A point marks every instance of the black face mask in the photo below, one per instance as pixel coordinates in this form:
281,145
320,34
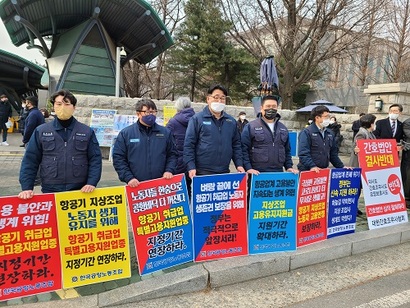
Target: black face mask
270,114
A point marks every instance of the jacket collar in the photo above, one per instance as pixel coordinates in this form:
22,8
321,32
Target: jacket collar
57,125
208,113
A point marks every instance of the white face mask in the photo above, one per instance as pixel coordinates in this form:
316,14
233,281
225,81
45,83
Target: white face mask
325,123
393,116
217,107
242,117
310,121
331,122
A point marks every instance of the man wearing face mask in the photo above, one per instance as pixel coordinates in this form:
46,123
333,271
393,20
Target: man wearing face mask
242,121
212,139
144,150
33,119
66,151
265,141
317,145
391,127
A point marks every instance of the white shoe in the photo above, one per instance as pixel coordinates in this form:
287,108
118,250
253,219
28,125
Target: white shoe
5,143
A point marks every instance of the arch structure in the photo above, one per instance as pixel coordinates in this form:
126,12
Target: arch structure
79,38
19,77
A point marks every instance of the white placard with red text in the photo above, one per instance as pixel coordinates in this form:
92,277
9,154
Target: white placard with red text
382,183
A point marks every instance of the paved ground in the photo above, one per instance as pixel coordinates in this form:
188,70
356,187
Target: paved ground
10,159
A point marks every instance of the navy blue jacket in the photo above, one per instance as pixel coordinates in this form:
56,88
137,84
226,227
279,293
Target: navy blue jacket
56,178
211,144
144,153
317,151
263,150
5,112
33,119
178,126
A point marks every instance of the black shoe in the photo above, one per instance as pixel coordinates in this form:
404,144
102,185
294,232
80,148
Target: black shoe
359,213
21,145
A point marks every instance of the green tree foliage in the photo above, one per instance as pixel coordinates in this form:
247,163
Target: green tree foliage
203,55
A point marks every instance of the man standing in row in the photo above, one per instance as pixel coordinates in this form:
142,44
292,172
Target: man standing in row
33,118
390,127
5,116
144,150
265,141
66,151
212,139
317,145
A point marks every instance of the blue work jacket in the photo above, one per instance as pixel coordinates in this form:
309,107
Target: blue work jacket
316,150
266,151
210,143
69,157
144,153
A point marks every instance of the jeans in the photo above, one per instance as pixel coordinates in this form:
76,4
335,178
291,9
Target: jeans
4,129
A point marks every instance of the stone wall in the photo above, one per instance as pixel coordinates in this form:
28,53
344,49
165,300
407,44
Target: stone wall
293,121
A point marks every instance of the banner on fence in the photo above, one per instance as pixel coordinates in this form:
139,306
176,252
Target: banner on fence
102,122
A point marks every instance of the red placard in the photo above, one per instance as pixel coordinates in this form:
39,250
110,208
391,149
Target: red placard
312,207
29,247
161,223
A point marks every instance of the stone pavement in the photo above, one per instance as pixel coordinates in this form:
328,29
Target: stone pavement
190,277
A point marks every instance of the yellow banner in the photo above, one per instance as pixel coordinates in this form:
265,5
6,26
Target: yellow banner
93,233
169,112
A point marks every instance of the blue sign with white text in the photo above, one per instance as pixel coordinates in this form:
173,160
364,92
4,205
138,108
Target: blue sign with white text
343,201
272,212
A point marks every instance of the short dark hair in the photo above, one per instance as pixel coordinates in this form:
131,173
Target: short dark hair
145,102
318,111
367,120
361,114
270,97
397,105
67,95
46,113
333,117
217,87
33,100
241,113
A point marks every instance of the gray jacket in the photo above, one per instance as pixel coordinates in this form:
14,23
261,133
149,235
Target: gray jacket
363,133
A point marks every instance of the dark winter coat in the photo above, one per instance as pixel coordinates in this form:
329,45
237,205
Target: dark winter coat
178,126
69,157
210,143
314,150
266,151
34,118
5,112
144,154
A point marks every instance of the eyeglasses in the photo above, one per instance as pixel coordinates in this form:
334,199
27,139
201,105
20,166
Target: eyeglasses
219,98
148,112
65,103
